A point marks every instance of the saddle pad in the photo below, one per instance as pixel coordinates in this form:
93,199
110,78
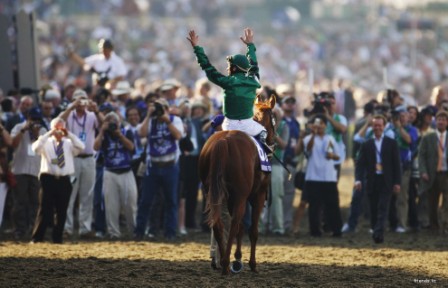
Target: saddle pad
264,161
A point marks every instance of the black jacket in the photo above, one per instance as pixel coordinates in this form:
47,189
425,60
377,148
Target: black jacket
390,160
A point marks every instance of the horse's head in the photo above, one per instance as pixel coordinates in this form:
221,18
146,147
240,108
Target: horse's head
264,116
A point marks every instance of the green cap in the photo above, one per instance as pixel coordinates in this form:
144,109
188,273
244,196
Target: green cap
239,61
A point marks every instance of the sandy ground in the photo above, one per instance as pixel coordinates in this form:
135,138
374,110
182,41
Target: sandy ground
404,260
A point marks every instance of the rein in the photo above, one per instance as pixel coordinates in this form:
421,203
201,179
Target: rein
262,107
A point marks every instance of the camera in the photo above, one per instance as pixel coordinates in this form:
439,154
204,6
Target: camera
100,76
35,125
320,101
112,127
84,102
159,111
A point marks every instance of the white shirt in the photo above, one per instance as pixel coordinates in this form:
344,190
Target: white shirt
46,145
101,64
320,168
25,161
378,143
442,145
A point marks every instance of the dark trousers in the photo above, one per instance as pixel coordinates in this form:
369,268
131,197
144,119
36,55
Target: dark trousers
167,179
26,200
412,203
189,187
323,194
53,197
439,187
379,205
98,201
356,207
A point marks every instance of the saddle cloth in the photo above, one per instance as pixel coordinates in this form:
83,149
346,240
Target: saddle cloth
264,160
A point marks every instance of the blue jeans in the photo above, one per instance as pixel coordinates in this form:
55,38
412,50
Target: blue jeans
356,206
98,201
167,179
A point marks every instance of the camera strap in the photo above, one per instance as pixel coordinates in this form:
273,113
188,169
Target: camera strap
83,125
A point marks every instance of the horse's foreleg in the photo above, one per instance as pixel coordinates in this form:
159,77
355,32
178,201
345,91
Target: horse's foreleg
257,207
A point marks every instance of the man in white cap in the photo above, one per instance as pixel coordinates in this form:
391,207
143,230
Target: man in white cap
82,118
169,89
122,93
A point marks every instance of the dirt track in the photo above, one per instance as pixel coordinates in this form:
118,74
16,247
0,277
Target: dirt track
353,261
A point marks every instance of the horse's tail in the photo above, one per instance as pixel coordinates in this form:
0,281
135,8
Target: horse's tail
217,182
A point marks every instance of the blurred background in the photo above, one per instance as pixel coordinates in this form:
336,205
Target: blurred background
304,46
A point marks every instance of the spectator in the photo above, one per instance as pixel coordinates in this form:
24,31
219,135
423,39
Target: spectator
406,137
82,118
4,186
57,149
433,171
105,66
26,102
337,126
47,113
133,118
121,95
163,132
321,178
288,105
25,167
427,114
273,216
190,146
168,90
379,163
119,186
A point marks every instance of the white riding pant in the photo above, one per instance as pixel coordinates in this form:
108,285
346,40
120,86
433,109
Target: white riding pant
250,126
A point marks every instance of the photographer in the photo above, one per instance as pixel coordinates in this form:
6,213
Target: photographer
337,126
106,66
163,133
406,136
57,149
82,118
321,178
25,167
119,186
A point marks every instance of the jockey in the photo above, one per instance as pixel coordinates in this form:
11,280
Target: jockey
239,86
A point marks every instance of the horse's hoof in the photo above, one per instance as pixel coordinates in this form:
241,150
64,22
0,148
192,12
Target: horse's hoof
236,267
253,267
225,271
213,264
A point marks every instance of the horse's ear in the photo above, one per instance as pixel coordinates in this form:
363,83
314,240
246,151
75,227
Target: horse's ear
258,99
272,101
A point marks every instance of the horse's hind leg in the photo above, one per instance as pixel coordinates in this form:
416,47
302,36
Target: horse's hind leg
237,216
257,206
239,238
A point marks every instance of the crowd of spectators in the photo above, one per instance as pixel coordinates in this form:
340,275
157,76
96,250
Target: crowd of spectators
142,132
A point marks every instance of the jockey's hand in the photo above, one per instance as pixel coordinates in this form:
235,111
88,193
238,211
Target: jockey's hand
248,36
194,38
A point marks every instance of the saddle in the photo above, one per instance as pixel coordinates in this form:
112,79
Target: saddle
264,157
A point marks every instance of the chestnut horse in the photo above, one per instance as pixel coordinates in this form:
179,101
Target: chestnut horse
229,167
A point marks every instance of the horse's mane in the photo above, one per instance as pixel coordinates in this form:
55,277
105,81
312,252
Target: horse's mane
262,105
